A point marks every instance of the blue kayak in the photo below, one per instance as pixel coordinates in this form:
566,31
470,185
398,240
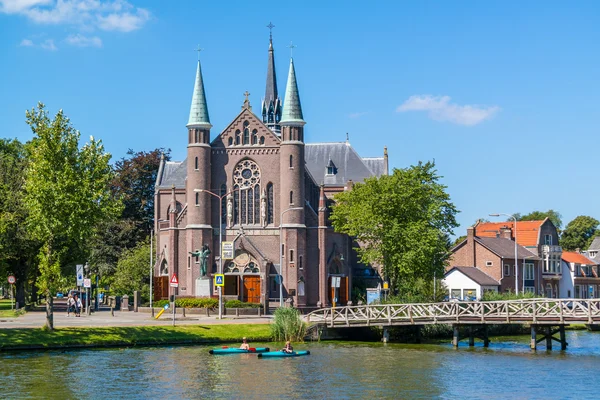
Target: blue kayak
233,350
284,354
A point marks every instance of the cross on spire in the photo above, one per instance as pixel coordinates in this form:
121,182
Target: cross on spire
270,26
292,47
246,93
198,49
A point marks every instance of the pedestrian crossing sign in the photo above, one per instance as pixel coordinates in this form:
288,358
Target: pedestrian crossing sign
219,280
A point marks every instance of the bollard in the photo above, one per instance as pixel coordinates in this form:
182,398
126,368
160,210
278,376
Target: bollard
112,311
183,311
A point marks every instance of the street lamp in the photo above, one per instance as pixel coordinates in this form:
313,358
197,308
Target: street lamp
220,289
281,253
516,259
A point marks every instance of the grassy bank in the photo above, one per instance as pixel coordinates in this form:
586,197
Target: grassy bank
15,339
5,309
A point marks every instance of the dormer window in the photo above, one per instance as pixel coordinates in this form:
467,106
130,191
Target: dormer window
331,168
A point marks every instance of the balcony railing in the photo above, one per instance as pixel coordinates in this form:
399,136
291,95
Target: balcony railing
547,249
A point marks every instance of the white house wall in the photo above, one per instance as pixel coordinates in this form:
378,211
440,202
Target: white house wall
458,280
566,284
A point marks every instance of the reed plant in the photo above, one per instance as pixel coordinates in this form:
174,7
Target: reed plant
288,325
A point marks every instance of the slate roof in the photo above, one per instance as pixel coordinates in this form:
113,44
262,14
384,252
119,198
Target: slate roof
292,108
476,275
505,248
577,258
527,231
349,165
173,173
595,244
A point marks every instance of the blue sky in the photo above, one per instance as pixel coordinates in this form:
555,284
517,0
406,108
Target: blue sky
504,95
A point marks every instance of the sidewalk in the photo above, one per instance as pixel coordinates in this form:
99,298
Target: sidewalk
103,318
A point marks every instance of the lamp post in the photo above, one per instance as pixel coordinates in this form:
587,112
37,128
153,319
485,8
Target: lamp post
151,271
516,247
220,289
281,253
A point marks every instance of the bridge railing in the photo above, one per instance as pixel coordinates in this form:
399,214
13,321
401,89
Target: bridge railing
496,312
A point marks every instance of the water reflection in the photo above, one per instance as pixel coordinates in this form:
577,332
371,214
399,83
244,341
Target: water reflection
508,369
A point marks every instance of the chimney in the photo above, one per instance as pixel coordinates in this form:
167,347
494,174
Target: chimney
471,259
506,233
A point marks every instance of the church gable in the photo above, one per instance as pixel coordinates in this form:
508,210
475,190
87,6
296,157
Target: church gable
246,130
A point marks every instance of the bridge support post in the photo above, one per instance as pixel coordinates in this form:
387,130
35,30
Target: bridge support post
386,335
486,336
563,340
548,338
455,335
418,334
533,343
471,336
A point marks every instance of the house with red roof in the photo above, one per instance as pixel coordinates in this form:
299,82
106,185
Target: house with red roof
580,278
490,246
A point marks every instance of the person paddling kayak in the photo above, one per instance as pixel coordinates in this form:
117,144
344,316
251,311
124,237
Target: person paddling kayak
245,345
288,347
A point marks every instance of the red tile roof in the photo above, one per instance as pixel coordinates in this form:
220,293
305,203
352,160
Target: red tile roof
527,231
572,257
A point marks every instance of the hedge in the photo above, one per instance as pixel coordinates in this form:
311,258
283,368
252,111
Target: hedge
190,302
241,304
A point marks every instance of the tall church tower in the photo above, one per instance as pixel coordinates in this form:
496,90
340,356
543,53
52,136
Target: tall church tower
271,104
292,196
199,230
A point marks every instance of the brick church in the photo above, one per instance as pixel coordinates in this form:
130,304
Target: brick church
260,186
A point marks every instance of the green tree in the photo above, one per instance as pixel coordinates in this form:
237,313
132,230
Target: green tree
401,221
135,177
554,216
17,250
579,233
133,271
67,196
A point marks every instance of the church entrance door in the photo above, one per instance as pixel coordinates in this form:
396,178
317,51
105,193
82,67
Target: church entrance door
342,292
252,289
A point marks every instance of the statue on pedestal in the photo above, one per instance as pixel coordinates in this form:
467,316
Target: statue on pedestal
203,255
263,207
229,210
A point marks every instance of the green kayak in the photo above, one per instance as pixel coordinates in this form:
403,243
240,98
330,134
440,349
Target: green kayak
284,354
233,350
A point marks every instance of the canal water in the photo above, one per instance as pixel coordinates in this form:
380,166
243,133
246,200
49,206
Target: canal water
508,369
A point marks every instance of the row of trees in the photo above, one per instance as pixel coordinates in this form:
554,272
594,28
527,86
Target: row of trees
62,204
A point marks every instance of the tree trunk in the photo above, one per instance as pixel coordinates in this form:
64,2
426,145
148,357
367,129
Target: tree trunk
49,311
20,296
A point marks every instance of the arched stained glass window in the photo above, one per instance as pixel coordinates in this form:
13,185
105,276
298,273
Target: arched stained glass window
246,181
237,137
246,133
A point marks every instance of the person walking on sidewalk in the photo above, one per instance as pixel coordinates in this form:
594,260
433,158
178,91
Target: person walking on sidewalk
70,305
78,306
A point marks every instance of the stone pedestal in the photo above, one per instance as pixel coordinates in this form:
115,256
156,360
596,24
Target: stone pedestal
203,288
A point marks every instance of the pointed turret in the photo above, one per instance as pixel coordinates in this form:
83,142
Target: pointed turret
271,106
292,108
199,110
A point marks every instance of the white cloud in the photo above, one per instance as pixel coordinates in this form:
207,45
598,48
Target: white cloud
48,44
26,43
83,41
125,22
17,6
440,108
86,14
357,114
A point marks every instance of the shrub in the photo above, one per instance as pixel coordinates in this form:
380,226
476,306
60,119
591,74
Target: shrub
190,302
241,304
510,295
288,325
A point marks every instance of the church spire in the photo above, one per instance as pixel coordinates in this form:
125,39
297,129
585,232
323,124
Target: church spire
292,109
271,106
199,110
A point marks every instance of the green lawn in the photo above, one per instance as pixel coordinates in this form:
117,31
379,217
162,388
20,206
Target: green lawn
5,311
131,336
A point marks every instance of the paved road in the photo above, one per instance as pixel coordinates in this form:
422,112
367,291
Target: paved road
37,318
